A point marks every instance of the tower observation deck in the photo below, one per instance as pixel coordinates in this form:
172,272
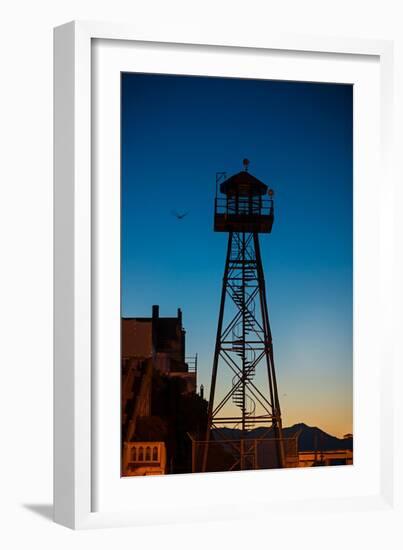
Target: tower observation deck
246,207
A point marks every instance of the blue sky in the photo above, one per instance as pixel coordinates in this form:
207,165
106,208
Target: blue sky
177,132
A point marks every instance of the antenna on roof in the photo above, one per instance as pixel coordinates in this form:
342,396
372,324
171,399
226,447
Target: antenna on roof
245,163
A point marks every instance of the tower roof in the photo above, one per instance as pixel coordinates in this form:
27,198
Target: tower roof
243,183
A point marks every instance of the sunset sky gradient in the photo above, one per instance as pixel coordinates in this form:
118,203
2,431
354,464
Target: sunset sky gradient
177,132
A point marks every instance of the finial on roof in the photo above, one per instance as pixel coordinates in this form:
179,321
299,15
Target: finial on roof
246,163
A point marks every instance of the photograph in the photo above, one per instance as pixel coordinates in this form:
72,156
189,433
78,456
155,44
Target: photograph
236,274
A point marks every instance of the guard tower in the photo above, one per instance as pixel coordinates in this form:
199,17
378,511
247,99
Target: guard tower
246,396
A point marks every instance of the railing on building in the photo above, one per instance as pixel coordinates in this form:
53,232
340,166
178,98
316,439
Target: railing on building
340,457
192,366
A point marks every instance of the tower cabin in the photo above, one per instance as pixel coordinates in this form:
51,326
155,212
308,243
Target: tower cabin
247,206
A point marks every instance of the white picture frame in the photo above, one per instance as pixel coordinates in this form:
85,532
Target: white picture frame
79,425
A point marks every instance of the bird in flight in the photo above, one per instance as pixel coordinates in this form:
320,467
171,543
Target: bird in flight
179,215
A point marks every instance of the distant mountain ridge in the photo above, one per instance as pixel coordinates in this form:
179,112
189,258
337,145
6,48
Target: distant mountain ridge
309,438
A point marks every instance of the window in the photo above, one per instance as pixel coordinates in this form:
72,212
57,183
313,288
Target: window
155,454
133,454
148,454
141,455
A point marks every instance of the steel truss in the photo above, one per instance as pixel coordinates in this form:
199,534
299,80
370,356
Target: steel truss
243,345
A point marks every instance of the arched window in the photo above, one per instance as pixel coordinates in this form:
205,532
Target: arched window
155,454
141,455
148,454
133,454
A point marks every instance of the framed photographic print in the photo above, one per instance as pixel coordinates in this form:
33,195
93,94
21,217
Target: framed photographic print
221,276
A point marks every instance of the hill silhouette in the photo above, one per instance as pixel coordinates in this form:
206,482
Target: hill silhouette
309,437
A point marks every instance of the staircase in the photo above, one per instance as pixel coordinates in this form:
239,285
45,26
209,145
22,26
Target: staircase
244,351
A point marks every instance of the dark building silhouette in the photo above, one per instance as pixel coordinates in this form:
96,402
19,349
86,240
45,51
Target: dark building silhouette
160,340
152,348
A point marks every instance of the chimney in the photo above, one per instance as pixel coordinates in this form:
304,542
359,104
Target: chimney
156,312
180,316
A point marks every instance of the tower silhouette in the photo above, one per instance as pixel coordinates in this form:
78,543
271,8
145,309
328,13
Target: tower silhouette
247,396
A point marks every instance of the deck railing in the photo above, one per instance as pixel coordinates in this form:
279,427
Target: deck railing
244,207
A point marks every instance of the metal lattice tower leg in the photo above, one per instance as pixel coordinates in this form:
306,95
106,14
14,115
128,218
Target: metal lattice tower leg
244,348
